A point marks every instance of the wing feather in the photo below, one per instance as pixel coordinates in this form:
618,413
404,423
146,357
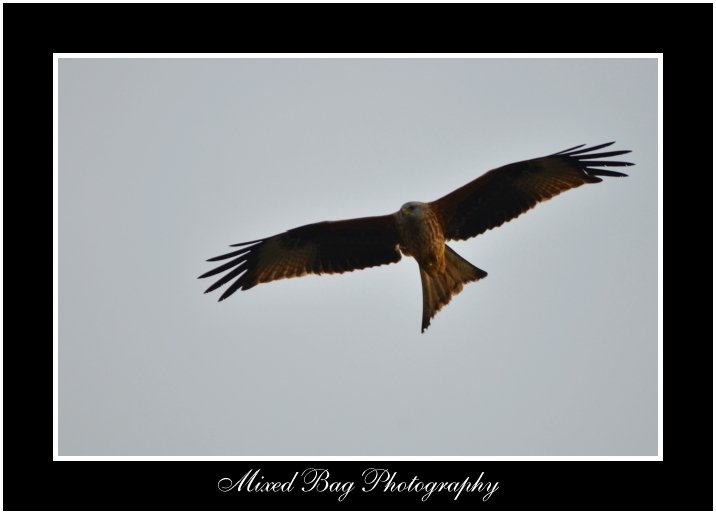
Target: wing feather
325,247
504,193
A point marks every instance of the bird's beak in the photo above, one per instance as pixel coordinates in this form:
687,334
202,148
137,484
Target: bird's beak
405,211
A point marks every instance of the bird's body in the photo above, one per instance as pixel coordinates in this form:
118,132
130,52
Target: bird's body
442,271
421,236
418,230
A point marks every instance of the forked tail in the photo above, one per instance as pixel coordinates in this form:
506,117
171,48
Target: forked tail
437,290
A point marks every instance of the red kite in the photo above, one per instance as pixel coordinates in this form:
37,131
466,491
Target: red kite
418,229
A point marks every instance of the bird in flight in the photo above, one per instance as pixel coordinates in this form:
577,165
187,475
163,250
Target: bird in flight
418,229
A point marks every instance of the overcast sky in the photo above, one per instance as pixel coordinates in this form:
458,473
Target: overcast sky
163,163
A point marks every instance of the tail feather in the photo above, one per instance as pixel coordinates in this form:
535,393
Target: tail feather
439,289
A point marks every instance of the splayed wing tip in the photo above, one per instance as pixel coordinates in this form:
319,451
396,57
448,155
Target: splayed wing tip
568,150
248,243
210,288
594,172
592,148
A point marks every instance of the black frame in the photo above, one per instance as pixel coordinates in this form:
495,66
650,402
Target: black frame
32,32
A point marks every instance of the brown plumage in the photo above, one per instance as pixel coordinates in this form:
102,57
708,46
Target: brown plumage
417,229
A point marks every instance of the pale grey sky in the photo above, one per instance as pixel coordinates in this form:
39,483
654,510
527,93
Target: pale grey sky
164,163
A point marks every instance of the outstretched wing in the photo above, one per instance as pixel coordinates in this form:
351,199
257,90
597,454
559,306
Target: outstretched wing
325,247
504,193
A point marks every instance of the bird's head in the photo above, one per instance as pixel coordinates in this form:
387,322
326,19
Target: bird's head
411,210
